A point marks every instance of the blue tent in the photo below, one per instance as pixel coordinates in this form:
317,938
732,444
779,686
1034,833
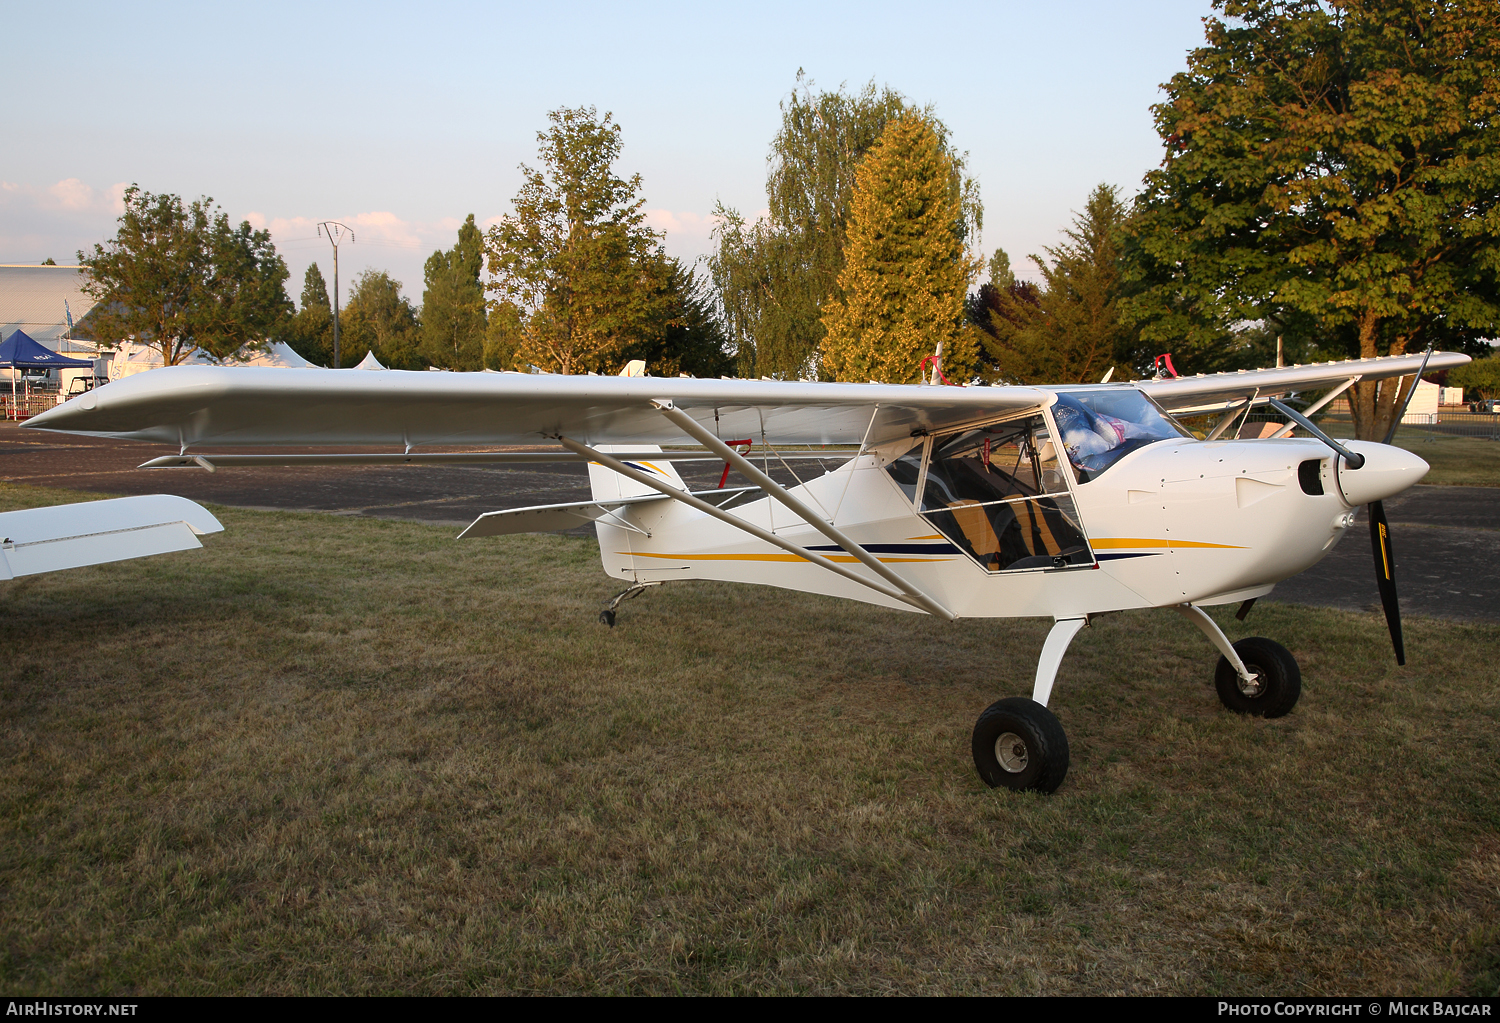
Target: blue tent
20,350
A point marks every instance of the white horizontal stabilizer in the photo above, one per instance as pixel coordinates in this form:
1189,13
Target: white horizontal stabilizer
38,540
548,518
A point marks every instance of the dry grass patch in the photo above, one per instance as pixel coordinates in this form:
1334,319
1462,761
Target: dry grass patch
335,755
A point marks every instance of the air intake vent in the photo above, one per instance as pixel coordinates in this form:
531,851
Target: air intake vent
1310,476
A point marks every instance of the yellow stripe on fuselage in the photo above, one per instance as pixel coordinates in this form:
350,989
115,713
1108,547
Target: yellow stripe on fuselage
1119,542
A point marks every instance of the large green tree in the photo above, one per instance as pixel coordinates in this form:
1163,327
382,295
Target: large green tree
576,274
182,279
453,305
1337,161
906,269
379,319
774,277
1069,330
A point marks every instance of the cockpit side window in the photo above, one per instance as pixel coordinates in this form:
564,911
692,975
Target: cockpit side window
999,462
1098,428
999,494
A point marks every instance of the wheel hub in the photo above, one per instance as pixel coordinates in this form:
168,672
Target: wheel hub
1254,686
1011,752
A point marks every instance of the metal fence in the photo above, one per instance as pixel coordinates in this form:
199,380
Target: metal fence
24,406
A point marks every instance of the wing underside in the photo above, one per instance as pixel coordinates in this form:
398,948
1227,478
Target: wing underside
202,405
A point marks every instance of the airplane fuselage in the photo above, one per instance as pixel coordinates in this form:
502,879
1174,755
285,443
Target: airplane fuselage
1177,521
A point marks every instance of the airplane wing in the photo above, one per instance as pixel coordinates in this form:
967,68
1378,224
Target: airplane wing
36,540
194,406
1214,389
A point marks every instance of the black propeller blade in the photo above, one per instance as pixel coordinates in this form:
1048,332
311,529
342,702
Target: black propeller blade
1385,575
1380,530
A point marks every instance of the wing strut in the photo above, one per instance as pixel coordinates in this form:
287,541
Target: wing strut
690,426
1308,412
916,599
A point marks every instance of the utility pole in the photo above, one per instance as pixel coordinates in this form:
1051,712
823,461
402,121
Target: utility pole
336,233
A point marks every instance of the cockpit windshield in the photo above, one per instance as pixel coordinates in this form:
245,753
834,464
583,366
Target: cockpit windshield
1098,428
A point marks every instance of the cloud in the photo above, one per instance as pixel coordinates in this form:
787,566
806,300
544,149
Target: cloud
688,235
56,220
72,194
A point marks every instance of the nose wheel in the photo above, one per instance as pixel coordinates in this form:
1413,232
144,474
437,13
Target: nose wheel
1019,744
1275,684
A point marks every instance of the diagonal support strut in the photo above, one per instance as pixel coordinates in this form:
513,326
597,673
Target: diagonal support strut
690,426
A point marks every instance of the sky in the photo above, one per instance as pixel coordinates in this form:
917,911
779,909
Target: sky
401,119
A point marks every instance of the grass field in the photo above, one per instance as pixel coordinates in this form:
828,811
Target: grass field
341,755
1455,461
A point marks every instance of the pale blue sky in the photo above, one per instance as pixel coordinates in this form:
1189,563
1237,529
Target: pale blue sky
402,119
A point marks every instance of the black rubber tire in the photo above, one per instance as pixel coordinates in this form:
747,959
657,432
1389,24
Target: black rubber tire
1281,679
1044,745
608,618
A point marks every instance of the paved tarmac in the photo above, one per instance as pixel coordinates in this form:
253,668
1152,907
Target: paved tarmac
1446,539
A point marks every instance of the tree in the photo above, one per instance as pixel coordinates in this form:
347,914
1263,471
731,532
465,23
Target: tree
182,280
689,338
453,315
1479,379
310,332
1069,331
906,270
1339,162
379,319
576,272
774,277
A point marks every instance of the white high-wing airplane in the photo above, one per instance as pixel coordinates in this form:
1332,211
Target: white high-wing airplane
1063,502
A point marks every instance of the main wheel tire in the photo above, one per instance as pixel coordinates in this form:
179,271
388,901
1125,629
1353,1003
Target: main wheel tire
1020,745
1278,679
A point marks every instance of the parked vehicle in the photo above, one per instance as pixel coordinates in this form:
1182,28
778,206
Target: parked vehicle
1489,405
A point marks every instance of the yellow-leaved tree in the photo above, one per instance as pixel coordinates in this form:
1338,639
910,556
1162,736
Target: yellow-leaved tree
906,270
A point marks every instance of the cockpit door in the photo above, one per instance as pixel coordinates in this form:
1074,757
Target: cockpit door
998,492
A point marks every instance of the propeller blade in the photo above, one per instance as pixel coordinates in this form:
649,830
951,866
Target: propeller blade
1385,575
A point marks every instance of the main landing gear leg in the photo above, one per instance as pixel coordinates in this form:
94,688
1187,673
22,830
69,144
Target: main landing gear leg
1254,676
1018,743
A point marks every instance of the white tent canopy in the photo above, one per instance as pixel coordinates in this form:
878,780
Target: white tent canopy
131,358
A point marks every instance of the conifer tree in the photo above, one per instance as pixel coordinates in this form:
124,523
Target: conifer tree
906,271
1070,330
310,332
453,317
